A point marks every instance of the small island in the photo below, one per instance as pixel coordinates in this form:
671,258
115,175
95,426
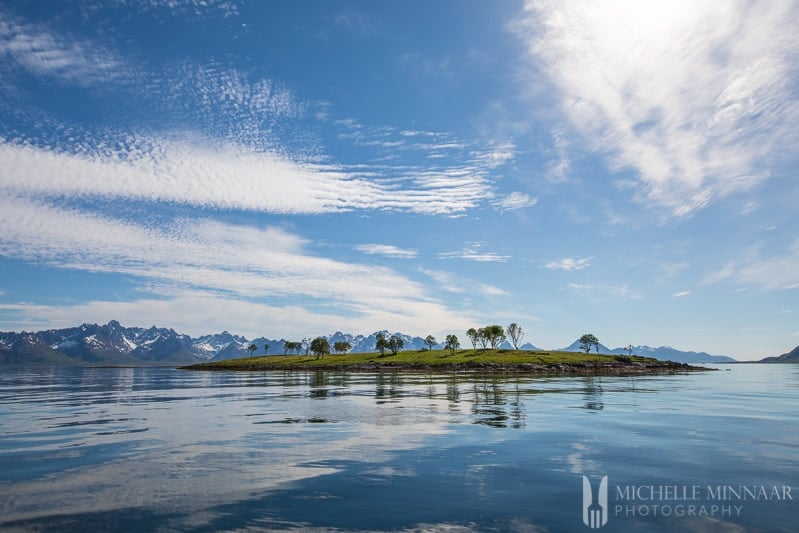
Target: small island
488,360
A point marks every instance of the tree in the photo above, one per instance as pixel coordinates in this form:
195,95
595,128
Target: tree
430,341
516,334
629,349
473,337
266,348
291,347
342,346
306,343
251,348
320,346
587,341
452,344
482,337
395,344
381,343
495,335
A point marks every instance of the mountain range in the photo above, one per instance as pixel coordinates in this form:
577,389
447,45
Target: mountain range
114,344
790,357
666,353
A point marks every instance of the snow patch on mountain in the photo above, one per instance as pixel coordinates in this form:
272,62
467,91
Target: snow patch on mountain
114,343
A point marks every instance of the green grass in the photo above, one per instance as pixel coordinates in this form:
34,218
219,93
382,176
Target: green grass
432,358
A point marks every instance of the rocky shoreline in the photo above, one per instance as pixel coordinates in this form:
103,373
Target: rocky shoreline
615,368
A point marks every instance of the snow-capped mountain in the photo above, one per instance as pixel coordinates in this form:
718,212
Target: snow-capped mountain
209,346
113,343
93,344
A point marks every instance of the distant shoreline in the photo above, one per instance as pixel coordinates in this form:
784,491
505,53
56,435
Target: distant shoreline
489,361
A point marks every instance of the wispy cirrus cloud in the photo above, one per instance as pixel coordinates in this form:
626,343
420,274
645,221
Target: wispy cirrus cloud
214,136
723,273
682,294
694,97
387,250
456,284
569,263
603,290
474,252
265,265
513,201
46,53
773,273
227,8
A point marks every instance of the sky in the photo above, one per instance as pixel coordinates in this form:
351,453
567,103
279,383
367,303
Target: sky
297,168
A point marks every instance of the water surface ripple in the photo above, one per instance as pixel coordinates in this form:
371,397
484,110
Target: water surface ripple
158,449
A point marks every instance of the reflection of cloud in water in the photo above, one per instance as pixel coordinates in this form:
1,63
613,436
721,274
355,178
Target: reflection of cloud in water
579,462
203,452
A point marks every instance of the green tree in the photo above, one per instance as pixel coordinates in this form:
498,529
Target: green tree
395,344
251,348
482,337
266,349
342,346
381,343
473,337
587,341
452,344
291,347
320,347
516,334
495,335
430,341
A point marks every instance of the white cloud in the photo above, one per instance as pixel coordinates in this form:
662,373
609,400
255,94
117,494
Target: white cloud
514,200
227,102
724,273
490,290
694,96
750,207
779,272
226,143
416,133
559,167
227,8
456,284
224,260
617,290
387,250
198,313
569,264
446,280
226,177
681,294
42,52
473,252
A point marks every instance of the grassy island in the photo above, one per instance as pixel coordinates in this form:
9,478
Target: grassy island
526,361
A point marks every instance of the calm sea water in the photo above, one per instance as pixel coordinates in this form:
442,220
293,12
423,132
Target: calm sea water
153,449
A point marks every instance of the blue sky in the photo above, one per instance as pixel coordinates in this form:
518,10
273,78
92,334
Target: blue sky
296,168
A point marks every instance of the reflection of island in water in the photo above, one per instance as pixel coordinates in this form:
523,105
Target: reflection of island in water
489,399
